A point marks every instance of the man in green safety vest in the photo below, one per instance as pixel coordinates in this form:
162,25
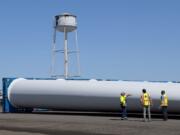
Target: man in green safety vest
146,104
123,103
164,105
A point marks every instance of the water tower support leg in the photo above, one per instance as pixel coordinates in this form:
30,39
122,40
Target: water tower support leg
65,55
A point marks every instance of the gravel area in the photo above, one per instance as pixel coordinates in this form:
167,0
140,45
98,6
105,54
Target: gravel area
73,124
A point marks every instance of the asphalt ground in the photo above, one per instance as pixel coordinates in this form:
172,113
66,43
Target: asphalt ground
81,123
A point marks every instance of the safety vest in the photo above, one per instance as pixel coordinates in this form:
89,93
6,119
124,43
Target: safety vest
146,99
123,100
164,100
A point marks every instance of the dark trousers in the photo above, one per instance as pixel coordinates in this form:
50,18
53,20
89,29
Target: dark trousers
124,111
164,112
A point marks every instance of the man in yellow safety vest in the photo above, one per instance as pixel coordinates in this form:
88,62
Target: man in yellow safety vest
123,102
164,105
146,103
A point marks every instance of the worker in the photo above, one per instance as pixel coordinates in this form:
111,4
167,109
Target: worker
146,104
123,102
164,105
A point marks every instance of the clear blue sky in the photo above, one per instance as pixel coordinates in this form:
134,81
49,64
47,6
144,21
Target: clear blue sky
118,39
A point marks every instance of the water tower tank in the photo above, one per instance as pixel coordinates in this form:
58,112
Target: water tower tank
65,22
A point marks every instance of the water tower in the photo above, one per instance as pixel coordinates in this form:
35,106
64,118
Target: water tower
65,23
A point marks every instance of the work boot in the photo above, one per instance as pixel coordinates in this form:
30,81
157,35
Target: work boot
144,120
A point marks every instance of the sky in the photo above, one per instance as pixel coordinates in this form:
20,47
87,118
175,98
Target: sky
118,39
